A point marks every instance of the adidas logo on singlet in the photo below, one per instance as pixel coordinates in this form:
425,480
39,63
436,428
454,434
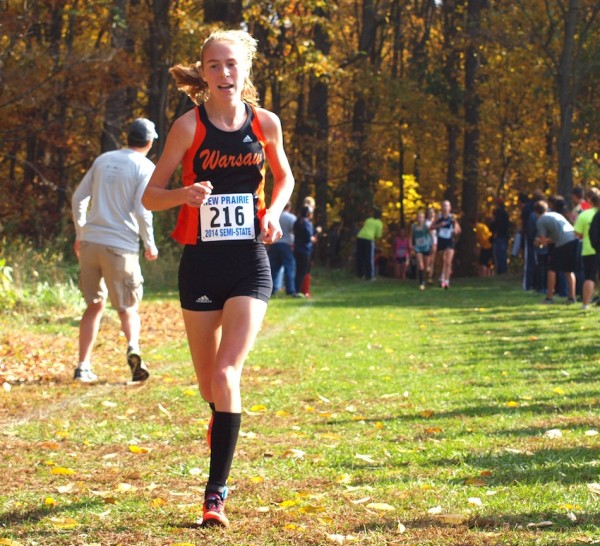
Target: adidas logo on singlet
247,138
203,299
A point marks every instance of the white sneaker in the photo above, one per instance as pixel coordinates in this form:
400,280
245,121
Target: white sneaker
85,375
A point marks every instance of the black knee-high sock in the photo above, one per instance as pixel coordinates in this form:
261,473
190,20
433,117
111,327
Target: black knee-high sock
225,432
420,273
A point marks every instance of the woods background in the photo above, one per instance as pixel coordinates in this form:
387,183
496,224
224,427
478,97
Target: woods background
399,103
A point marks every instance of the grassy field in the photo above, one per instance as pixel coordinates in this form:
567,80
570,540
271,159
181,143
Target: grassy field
374,414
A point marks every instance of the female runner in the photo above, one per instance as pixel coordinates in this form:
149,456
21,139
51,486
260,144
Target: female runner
224,276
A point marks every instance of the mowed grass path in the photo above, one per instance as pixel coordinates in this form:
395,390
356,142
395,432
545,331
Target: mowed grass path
374,414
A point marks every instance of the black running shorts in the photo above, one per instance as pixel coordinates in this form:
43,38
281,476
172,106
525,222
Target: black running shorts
445,244
565,257
211,274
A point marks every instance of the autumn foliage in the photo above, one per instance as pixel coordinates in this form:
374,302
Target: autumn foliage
470,99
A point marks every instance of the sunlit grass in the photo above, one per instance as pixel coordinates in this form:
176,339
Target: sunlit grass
369,406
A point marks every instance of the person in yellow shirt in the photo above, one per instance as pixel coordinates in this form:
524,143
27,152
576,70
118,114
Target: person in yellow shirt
483,236
365,245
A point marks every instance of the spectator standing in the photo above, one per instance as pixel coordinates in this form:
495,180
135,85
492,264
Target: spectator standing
304,239
281,254
554,229
589,256
108,242
483,236
365,245
401,254
500,228
579,203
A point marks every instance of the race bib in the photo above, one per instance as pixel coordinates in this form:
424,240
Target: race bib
227,217
421,242
445,233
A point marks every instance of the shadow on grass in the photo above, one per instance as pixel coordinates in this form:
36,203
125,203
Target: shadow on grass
567,466
501,522
18,517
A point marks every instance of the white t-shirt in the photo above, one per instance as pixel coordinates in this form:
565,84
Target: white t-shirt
112,190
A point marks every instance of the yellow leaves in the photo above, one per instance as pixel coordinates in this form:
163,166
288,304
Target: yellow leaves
157,502
282,413
288,503
62,471
381,506
63,523
138,449
258,408
427,414
50,502
512,404
9,542
311,509
50,446
257,479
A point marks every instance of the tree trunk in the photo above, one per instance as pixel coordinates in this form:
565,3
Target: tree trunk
159,46
452,10
118,105
566,99
226,11
468,255
318,114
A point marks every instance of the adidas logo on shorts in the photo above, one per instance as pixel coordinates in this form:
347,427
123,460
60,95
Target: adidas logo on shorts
203,299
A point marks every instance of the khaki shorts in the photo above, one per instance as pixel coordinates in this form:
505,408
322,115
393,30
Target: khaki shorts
106,268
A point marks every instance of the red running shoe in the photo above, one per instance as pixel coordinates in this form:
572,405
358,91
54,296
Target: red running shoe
213,513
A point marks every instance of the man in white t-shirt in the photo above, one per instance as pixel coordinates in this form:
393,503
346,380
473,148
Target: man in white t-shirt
109,221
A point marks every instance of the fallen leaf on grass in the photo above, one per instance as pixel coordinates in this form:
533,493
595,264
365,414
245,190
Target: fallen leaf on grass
433,430
594,488
553,434
157,502
539,525
361,501
282,413
401,529
65,488
380,506
164,410
258,408
51,446
293,453
109,404
138,449
475,500
64,523
427,413
512,404
342,539
8,542
479,482
288,503
591,432
49,501
311,509
453,519
257,479
62,471
366,458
